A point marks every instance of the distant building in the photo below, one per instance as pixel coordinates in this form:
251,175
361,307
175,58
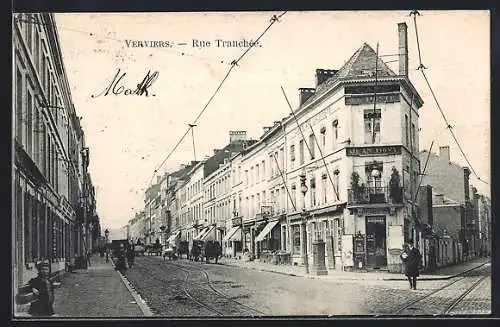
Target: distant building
454,212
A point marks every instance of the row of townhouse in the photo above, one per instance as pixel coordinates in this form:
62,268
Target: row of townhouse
349,171
340,175
54,207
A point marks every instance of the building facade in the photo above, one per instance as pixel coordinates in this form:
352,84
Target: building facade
454,208
343,166
54,208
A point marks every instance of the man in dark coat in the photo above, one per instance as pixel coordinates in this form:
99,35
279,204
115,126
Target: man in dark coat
411,258
43,289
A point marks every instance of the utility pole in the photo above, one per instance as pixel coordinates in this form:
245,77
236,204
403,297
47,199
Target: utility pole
192,136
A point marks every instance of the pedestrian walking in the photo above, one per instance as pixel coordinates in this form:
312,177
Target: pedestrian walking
43,289
411,259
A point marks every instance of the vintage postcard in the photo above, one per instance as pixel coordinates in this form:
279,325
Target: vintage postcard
250,164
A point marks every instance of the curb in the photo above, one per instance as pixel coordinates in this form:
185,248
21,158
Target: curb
444,277
137,297
356,278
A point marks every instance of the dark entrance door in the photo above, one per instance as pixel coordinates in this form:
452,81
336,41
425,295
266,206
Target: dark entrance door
376,242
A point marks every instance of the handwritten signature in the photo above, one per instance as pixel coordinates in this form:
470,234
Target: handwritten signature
114,88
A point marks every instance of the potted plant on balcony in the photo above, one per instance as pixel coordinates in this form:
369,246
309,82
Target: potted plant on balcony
395,187
356,189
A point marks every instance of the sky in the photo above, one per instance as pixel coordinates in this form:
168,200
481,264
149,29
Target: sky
130,136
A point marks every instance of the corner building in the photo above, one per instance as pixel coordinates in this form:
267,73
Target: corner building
358,148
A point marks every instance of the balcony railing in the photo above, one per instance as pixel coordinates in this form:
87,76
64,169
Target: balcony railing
371,195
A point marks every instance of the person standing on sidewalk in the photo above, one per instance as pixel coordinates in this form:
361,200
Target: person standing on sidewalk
411,258
43,289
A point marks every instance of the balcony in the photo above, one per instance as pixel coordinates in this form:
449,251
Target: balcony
375,195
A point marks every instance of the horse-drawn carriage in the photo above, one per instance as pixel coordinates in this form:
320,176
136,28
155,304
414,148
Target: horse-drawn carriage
154,249
205,251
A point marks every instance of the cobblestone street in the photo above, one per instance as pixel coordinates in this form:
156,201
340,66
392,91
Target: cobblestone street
165,286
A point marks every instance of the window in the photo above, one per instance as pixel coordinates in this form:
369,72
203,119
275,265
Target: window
278,168
335,133
413,138
252,206
301,152
372,126
294,196
374,181
271,165
311,145
292,155
251,175
258,200
29,31
336,180
323,138
263,165
313,192
246,177
264,198
29,123
257,171
407,140
323,188
278,200
37,50
282,158
19,106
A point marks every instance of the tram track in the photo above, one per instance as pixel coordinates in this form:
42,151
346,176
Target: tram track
216,301
412,306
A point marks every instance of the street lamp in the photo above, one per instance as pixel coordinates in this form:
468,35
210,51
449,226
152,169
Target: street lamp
304,189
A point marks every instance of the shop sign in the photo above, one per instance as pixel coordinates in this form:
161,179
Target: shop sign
369,99
373,151
375,211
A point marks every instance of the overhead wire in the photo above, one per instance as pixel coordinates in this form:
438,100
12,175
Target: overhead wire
233,64
421,67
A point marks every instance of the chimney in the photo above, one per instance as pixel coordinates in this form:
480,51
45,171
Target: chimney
444,152
237,136
323,74
439,198
403,49
305,93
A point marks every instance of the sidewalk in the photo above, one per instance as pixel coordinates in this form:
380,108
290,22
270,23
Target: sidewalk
440,274
96,292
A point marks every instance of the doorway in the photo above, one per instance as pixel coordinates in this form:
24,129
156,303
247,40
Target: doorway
376,254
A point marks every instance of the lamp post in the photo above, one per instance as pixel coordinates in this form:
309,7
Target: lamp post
163,228
304,189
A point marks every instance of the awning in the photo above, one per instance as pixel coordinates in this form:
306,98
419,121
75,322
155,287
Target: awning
200,234
230,233
174,236
266,230
236,236
207,233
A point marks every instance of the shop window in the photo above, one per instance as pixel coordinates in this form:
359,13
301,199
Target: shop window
27,229
34,229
